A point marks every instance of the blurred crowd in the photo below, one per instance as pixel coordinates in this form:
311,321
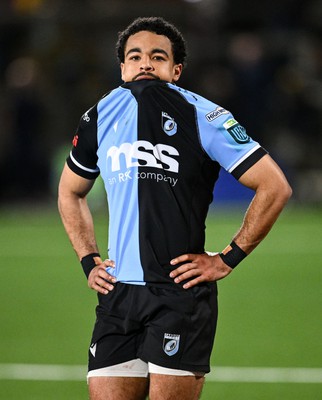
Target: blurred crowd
262,60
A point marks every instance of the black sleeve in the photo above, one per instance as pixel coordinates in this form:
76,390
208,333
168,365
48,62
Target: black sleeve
83,157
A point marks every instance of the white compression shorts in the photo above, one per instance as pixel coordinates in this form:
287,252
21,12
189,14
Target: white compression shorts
138,369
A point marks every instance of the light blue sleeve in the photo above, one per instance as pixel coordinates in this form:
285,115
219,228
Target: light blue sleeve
222,137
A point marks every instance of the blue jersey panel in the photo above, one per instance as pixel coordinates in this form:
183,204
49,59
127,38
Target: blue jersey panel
117,131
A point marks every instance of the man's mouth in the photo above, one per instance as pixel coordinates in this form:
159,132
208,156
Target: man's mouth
144,75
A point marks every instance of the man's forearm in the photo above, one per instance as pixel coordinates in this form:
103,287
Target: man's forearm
272,192
78,223
260,217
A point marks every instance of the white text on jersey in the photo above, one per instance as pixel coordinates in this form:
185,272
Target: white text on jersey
144,154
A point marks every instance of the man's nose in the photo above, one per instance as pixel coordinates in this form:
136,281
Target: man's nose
146,64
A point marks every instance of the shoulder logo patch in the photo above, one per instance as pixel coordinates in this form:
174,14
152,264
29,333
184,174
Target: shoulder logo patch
86,117
212,115
168,124
236,131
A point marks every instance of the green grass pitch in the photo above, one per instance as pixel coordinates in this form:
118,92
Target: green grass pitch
270,306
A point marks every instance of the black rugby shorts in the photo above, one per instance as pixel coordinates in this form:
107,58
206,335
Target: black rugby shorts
173,328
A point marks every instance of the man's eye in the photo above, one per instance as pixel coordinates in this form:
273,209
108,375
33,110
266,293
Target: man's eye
158,58
135,58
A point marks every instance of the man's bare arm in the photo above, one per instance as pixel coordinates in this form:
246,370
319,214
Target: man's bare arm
272,192
78,223
74,211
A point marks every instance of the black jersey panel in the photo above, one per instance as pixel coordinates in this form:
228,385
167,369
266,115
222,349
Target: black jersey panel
175,192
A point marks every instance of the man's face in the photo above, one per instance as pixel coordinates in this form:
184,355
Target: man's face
149,56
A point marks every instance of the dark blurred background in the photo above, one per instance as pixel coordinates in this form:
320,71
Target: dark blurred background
260,59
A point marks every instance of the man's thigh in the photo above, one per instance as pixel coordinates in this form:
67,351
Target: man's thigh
118,388
168,387
130,381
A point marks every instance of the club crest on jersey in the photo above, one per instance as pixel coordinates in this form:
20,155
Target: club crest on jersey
236,131
171,343
168,124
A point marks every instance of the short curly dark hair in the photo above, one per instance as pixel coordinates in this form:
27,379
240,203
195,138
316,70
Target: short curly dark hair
156,25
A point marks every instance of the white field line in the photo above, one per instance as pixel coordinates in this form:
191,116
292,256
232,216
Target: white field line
43,372
263,374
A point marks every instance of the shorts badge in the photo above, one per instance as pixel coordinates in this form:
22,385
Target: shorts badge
171,343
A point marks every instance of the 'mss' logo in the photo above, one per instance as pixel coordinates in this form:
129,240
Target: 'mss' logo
144,154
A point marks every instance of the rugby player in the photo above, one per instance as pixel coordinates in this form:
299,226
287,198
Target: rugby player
159,148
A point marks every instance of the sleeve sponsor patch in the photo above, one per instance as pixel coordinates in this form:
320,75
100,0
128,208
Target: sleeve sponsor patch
216,113
236,131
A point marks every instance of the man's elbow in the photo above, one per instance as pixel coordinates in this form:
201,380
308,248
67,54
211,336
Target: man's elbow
283,192
289,191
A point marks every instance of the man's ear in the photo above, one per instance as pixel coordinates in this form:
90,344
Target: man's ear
177,69
122,67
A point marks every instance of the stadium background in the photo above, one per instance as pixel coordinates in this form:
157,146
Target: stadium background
261,60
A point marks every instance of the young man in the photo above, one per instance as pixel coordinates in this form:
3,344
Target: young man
158,149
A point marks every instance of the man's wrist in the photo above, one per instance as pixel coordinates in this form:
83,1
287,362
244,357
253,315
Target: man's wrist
232,255
88,263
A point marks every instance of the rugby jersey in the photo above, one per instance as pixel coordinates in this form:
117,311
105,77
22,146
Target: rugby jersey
158,149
